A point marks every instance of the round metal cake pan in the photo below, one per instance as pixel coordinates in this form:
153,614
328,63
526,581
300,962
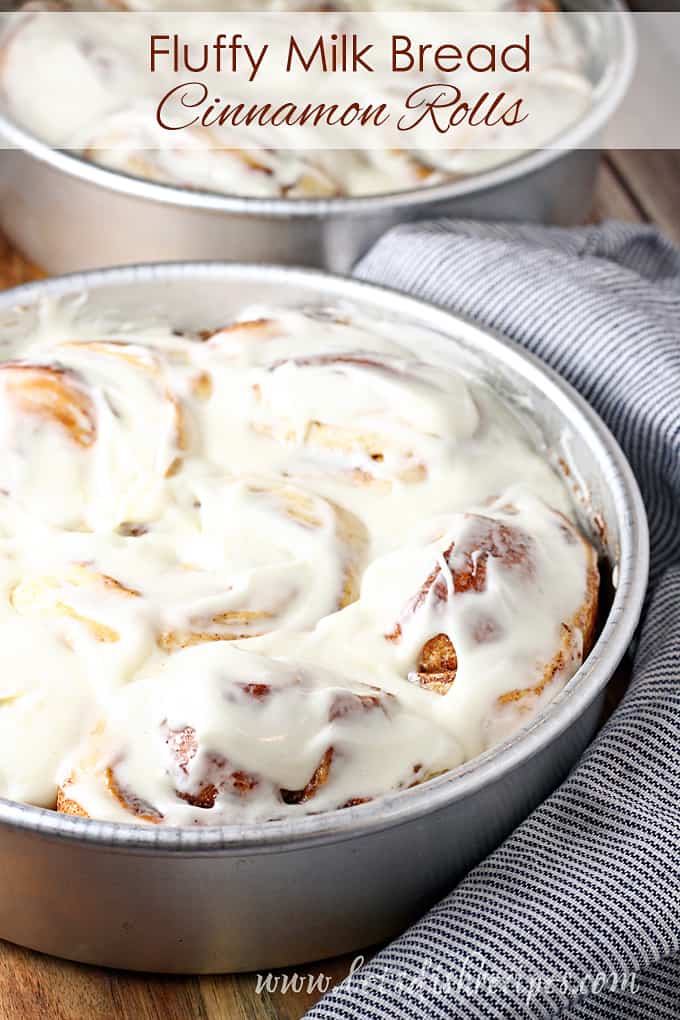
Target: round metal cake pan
251,897
67,214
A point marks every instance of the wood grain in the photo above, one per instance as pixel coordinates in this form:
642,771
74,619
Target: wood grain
652,180
638,187
14,269
613,199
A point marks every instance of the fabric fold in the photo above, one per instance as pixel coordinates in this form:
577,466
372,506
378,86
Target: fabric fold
577,914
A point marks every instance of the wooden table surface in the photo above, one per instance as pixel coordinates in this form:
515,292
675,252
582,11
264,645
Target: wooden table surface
633,186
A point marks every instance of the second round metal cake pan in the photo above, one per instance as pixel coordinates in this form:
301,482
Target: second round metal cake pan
66,214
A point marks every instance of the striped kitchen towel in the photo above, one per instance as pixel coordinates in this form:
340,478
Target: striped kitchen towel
577,914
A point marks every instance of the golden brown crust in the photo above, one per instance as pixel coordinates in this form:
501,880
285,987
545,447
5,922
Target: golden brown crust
130,801
337,439
319,777
584,621
139,809
44,594
66,805
216,774
234,626
123,351
438,661
506,543
438,664
14,268
344,704
255,329
48,392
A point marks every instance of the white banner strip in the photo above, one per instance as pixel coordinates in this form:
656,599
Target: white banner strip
458,88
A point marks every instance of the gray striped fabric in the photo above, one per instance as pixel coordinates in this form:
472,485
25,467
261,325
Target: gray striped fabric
577,915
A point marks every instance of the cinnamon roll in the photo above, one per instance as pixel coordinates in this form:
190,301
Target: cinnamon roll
290,558
105,414
130,141
373,417
262,739
516,584
246,557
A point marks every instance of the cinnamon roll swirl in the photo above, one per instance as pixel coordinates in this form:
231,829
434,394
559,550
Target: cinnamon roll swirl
305,562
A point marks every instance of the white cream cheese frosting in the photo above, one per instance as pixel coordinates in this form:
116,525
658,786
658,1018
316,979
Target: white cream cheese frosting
280,567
